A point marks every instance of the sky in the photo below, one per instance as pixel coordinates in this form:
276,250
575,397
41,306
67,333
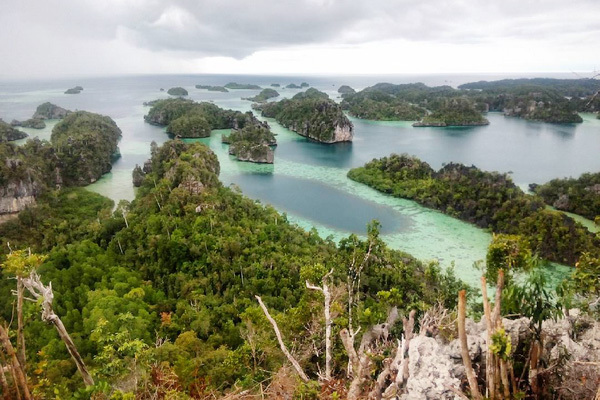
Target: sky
65,38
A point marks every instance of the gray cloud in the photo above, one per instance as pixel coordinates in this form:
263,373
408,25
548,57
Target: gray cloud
239,28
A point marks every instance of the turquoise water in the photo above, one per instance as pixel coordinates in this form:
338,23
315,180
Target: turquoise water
308,180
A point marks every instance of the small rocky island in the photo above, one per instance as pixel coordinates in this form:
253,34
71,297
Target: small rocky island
263,96
293,86
8,133
242,86
311,114
212,88
74,90
252,143
345,89
44,111
454,112
177,91
250,139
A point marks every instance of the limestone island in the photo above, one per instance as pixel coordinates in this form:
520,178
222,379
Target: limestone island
188,119
81,148
252,143
44,111
244,86
34,123
453,112
212,88
293,86
311,114
345,89
263,96
177,91
74,90
8,133
304,84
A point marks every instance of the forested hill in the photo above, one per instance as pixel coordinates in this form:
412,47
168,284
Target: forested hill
163,289
487,199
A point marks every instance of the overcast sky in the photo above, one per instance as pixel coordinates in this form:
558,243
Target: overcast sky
42,38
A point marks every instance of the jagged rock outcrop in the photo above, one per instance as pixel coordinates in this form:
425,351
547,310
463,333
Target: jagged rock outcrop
571,344
259,153
16,196
137,176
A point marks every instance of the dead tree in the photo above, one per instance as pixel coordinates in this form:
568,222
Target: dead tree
284,349
17,370
39,291
361,359
327,307
20,327
462,334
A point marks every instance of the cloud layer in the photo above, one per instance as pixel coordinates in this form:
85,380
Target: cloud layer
169,35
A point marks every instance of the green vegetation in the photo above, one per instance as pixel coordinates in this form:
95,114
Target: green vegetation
234,85
264,95
8,133
212,88
487,199
454,112
49,111
580,196
177,91
183,263
345,89
86,145
311,114
293,86
190,125
304,84
546,100
251,143
34,123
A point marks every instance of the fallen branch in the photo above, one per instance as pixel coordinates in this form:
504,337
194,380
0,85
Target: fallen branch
280,340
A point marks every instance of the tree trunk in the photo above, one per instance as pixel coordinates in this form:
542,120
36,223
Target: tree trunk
64,335
4,382
280,340
462,334
489,357
20,335
327,307
20,380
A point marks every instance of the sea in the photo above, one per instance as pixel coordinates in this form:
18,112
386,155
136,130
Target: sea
308,180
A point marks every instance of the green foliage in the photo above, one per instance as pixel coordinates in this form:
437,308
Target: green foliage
580,196
501,344
213,88
85,144
21,263
190,125
487,199
511,253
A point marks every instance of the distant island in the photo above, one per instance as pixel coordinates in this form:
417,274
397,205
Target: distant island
244,86
44,111
188,119
345,89
212,88
275,84
177,91
454,112
264,95
540,99
8,133
74,90
311,114
293,86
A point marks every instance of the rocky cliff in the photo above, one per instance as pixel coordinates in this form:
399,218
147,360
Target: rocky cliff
50,111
